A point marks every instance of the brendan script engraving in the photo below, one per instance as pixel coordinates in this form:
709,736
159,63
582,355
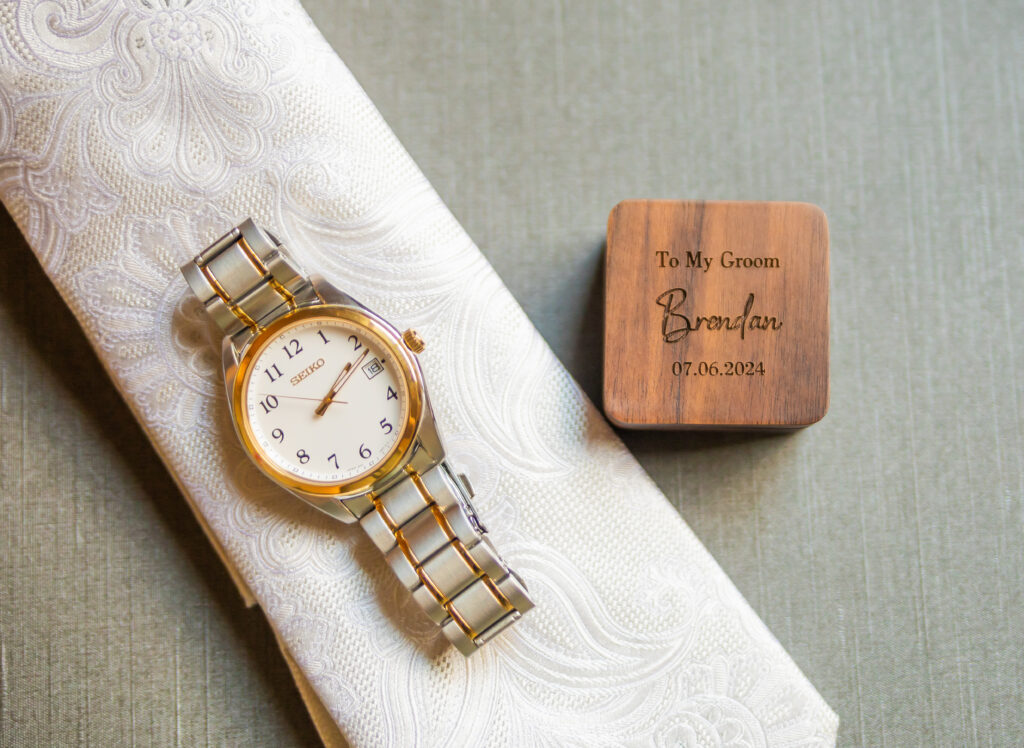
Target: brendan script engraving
675,325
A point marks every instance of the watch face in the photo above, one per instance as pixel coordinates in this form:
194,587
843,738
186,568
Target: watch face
325,400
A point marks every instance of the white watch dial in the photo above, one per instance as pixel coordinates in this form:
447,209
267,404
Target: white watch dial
325,400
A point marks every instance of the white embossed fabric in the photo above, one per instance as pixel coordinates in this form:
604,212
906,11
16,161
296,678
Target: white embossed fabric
134,133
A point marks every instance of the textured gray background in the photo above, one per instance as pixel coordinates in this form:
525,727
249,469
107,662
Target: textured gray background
883,546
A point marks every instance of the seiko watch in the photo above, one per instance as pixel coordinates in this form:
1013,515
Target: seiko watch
329,400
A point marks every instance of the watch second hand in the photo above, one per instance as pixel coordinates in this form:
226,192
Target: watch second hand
297,397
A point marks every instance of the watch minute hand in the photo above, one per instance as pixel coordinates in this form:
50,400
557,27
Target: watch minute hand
351,371
343,377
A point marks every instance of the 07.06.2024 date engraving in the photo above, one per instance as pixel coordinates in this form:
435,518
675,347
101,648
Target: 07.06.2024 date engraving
717,369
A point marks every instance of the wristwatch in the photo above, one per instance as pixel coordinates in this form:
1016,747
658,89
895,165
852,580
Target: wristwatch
329,401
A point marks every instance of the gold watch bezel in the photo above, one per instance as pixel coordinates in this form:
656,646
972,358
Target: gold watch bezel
391,340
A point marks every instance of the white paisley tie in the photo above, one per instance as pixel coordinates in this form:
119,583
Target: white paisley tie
134,133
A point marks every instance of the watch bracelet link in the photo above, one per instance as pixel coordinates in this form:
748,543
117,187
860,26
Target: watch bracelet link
245,280
428,531
424,523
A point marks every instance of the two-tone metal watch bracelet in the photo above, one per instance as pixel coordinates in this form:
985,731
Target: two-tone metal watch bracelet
423,520
430,534
245,281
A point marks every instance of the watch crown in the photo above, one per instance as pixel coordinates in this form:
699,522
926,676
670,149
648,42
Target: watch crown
413,341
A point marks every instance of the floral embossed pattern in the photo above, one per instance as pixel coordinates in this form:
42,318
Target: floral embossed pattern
184,93
134,132
147,329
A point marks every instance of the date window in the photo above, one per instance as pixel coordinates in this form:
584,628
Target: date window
373,368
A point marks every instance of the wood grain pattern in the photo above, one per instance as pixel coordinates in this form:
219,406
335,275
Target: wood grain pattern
716,315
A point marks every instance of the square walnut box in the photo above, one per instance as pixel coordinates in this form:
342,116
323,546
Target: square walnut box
716,315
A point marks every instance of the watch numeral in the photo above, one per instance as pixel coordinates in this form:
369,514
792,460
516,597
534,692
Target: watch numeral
293,348
303,456
364,452
273,373
391,394
277,434
356,345
333,458
322,336
385,426
268,403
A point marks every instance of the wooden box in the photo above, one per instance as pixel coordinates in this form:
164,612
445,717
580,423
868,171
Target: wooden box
716,315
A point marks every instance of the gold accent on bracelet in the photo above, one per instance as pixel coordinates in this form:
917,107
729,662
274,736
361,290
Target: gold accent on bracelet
223,295
443,600
261,266
457,543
